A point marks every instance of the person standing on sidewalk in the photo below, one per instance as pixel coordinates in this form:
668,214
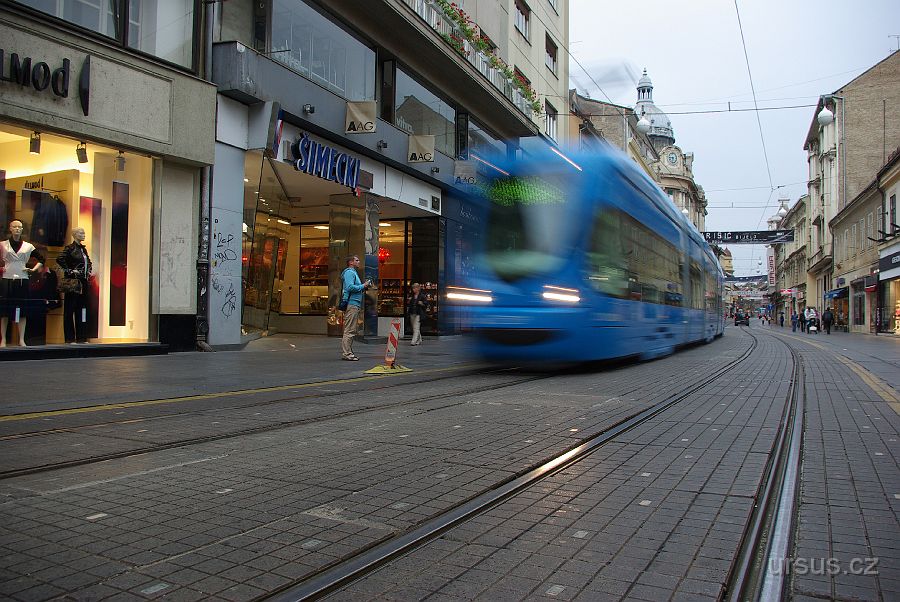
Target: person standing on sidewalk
781,319
353,289
827,319
418,306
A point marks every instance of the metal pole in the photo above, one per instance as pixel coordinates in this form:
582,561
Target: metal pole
205,202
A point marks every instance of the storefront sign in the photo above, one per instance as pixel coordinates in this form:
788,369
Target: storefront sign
464,172
889,262
360,117
421,149
29,73
760,237
325,162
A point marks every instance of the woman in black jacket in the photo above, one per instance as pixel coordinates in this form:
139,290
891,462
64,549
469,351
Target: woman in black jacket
418,307
76,265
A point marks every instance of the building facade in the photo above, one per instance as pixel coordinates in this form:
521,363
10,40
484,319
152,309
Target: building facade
887,301
846,146
106,125
674,167
790,259
343,129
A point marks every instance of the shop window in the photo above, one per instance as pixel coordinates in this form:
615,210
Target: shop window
51,194
419,111
859,305
313,277
319,49
162,28
391,268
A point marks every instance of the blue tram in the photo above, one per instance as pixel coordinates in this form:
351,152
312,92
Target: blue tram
585,258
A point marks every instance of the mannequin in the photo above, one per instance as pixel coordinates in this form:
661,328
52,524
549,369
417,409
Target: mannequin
75,263
15,254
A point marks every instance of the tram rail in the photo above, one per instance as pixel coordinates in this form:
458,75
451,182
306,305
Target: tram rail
346,571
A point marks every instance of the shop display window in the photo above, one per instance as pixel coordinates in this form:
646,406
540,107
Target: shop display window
47,189
391,268
313,274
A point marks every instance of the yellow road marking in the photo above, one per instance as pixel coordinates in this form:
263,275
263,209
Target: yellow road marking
881,388
151,402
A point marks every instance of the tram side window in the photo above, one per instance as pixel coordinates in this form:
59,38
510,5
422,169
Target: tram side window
606,265
711,297
627,260
696,285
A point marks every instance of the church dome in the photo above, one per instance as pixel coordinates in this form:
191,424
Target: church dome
660,125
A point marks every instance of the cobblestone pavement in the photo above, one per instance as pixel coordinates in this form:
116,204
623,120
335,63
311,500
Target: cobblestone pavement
348,462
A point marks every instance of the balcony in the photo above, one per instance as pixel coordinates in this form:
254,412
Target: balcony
450,31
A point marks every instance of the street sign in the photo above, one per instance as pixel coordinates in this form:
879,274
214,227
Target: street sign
751,237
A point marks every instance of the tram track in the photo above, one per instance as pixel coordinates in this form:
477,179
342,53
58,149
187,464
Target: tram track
768,534
352,568
331,415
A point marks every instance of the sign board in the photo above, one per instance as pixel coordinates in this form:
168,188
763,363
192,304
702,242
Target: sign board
751,237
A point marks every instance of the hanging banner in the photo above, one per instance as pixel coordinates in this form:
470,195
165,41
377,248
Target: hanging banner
464,172
770,260
734,279
421,149
752,237
360,117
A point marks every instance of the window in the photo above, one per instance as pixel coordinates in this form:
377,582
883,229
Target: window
627,260
162,28
420,111
550,123
870,229
320,50
853,246
550,56
891,215
523,14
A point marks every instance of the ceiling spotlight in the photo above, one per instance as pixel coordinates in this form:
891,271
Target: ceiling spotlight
81,152
435,170
309,109
34,146
120,162
384,224
381,145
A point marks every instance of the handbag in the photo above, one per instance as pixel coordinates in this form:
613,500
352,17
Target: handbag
343,304
69,285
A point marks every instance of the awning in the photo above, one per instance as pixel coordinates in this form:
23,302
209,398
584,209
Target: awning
836,293
871,283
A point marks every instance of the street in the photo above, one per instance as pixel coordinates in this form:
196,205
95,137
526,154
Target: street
281,472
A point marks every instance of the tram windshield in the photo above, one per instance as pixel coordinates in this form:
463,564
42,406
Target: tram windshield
528,230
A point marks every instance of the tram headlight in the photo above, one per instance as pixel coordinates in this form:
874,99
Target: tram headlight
457,293
558,293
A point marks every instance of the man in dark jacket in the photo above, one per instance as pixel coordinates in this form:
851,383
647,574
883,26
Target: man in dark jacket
827,319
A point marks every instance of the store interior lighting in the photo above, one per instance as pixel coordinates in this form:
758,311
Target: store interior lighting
81,152
34,146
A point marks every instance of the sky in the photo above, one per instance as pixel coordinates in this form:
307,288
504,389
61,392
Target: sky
797,50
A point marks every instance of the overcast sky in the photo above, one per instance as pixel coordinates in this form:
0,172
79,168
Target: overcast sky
797,50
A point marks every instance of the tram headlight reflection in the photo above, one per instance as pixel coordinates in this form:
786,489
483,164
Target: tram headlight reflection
455,293
558,293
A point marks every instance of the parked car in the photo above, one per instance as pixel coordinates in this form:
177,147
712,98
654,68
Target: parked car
741,318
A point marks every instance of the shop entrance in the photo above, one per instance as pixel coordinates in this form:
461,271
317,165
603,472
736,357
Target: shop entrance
299,229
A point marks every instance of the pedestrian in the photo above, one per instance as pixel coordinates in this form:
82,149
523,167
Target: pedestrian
781,319
352,292
418,307
794,319
810,317
827,319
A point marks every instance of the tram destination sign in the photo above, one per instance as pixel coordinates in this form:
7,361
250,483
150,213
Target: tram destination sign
751,237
